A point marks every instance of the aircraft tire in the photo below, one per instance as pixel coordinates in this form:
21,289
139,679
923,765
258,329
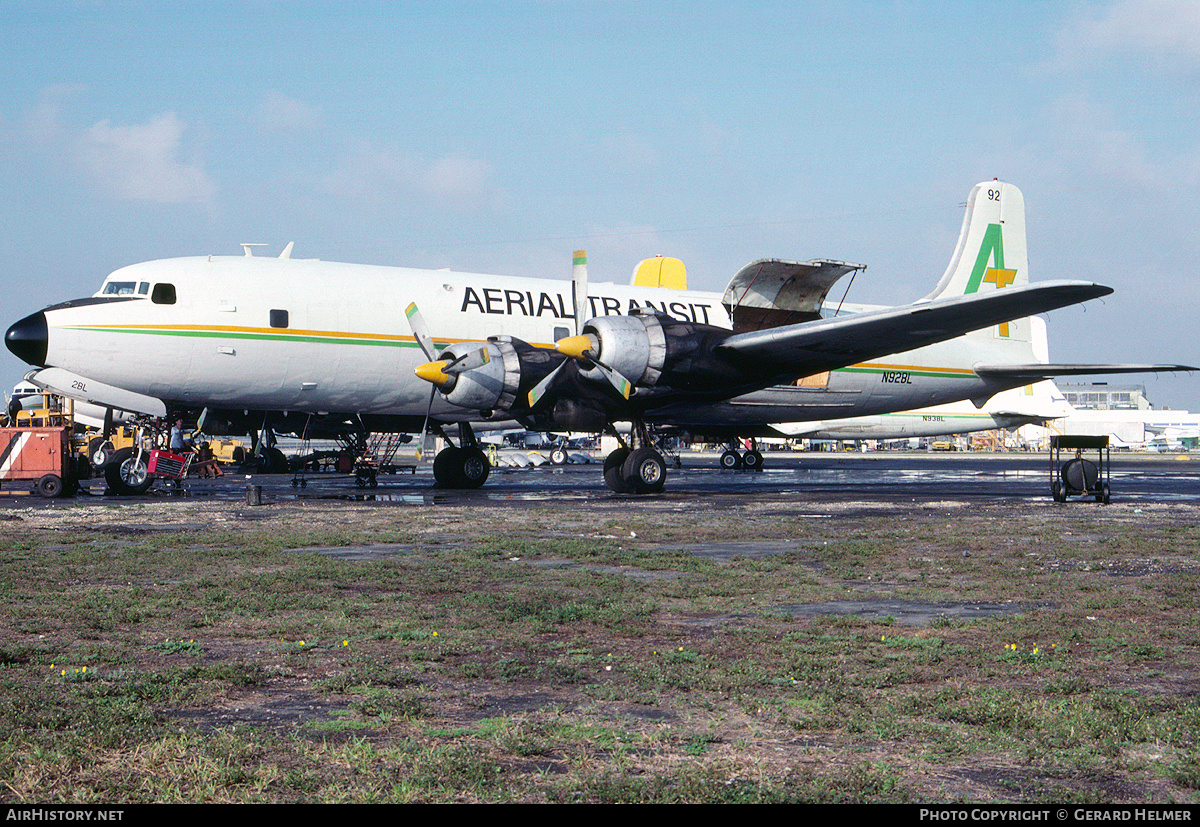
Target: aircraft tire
752,461
558,456
473,468
443,465
50,486
613,476
645,471
731,460
277,463
125,475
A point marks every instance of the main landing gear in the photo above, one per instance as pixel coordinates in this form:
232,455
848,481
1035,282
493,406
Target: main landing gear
639,470
464,466
733,460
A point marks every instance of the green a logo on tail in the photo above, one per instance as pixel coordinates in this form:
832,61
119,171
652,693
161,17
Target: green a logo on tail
991,249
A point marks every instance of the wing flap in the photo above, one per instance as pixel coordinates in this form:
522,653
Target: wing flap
815,346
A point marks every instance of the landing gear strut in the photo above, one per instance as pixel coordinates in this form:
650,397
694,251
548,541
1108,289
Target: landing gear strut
641,470
464,466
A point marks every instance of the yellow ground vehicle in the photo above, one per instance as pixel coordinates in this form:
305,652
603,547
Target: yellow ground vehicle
229,451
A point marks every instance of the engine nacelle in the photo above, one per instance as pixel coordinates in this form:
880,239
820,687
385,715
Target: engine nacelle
651,349
502,381
634,346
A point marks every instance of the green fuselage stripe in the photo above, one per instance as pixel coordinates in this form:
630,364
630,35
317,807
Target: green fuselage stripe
931,372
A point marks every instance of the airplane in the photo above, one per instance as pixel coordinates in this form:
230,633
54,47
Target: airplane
1172,440
1032,405
289,342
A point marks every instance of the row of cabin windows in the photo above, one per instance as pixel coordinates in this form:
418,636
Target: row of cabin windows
161,294
164,293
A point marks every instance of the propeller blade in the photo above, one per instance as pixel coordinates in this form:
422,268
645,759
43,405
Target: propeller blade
579,288
425,425
469,361
540,389
421,332
618,381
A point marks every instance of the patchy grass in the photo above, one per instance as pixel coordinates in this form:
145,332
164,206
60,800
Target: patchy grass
185,651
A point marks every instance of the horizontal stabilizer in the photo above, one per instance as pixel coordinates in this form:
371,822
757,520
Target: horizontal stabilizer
811,347
1036,371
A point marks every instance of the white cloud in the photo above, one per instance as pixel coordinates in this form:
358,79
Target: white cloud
457,177
140,162
42,123
375,176
134,162
1090,144
1160,33
278,112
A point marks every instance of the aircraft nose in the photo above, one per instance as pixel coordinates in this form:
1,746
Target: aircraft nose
27,339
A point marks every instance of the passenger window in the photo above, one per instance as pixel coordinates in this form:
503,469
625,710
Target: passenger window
561,333
163,294
279,318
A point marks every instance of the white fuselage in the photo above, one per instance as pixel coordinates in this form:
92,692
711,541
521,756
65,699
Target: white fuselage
313,336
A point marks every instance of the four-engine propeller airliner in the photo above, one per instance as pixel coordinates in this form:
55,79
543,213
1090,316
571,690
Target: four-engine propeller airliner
284,342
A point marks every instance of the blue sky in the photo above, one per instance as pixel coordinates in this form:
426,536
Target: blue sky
498,137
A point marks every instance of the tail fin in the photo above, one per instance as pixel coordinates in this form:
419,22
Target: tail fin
991,255
991,245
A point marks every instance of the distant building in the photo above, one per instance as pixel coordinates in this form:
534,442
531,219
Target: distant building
1101,396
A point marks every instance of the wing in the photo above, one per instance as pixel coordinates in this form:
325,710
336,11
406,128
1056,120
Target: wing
816,346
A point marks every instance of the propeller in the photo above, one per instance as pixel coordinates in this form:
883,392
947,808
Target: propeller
579,291
421,333
437,370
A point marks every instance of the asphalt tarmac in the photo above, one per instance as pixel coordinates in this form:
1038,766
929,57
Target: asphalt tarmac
897,478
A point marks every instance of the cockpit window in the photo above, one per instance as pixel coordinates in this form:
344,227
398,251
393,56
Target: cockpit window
163,294
143,288
120,288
